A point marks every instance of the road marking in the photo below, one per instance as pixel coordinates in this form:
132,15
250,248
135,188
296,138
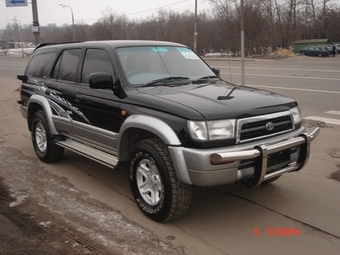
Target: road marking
309,90
326,120
284,69
288,76
333,112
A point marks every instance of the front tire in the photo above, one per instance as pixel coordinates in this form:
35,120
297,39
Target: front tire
159,194
44,146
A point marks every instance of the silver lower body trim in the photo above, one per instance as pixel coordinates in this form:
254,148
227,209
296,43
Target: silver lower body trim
215,167
99,156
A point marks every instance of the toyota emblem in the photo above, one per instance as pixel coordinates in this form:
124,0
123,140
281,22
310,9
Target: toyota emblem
270,126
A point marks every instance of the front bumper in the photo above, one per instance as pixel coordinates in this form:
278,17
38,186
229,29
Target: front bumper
212,167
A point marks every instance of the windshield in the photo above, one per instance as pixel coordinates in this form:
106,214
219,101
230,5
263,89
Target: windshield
145,66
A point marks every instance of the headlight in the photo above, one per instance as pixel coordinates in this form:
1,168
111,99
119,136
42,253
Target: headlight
198,130
212,130
296,114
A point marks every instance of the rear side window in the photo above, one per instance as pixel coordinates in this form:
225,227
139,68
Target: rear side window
66,67
96,60
38,64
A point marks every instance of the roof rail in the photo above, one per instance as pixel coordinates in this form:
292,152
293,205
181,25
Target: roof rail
53,43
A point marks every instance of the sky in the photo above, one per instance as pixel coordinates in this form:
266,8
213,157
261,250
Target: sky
89,11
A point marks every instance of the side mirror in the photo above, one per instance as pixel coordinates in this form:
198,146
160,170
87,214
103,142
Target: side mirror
22,77
105,81
101,81
216,71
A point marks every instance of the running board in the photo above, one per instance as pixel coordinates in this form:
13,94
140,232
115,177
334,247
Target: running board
89,152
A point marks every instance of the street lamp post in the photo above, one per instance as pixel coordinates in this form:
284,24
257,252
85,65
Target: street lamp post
20,35
73,32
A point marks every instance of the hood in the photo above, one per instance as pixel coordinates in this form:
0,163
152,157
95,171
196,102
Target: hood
212,101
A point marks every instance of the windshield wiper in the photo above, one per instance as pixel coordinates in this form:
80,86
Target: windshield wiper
204,79
166,80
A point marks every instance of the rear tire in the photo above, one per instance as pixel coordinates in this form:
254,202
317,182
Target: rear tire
44,146
158,192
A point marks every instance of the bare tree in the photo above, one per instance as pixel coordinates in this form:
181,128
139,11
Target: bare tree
268,24
82,31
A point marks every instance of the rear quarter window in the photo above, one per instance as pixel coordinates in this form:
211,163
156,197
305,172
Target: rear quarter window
66,67
37,67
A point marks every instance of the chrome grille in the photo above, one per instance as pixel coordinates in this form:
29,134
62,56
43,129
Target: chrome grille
264,126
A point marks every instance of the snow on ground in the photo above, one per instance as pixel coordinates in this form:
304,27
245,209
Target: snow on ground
16,52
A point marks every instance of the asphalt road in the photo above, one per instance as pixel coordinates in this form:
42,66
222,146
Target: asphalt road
314,82
298,214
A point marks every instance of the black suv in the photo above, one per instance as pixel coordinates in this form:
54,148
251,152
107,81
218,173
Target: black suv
157,109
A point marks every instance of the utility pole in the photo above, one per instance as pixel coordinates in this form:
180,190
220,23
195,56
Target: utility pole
195,28
242,43
35,27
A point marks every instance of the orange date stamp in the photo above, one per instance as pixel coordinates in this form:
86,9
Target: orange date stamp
276,231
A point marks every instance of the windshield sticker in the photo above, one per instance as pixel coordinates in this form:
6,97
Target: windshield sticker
188,54
162,49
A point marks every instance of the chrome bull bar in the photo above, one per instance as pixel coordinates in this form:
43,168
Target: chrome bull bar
262,152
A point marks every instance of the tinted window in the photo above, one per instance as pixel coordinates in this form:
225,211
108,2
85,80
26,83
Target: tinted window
39,62
96,60
66,66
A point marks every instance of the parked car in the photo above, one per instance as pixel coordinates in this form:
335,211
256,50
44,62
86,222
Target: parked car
337,46
329,47
320,51
157,110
